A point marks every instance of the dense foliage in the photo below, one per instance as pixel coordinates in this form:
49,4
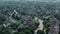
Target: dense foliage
33,9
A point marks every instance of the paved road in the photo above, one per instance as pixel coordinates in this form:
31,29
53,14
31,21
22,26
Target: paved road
40,26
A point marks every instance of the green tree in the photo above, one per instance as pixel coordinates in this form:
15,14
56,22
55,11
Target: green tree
40,32
22,32
2,19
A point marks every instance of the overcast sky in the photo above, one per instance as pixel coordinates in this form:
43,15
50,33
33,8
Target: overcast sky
31,0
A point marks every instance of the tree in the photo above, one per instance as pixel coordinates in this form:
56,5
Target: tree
27,31
47,24
2,19
22,32
40,32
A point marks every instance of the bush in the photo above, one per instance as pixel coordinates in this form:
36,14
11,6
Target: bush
40,32
2,19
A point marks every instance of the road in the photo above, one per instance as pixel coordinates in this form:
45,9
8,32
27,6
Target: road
40,26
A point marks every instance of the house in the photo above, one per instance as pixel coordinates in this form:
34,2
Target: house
27,21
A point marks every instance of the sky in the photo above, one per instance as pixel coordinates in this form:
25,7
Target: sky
31,0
